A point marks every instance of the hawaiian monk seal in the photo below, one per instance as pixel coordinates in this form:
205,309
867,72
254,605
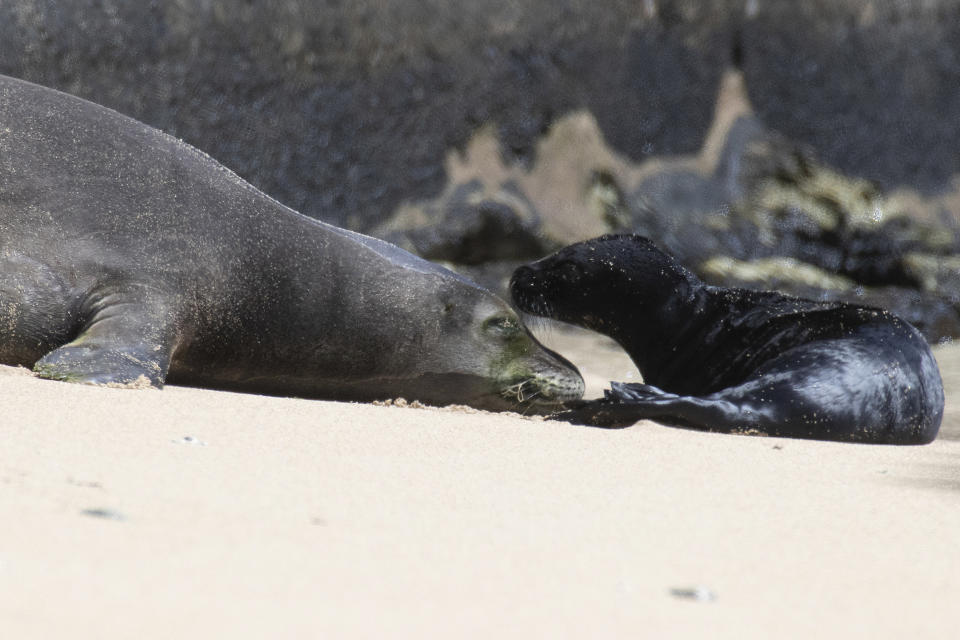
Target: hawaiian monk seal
127,255
727,360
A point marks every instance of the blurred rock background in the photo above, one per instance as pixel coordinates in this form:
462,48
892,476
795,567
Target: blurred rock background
808,146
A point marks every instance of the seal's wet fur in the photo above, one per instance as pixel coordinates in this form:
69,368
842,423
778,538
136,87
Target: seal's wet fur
735,360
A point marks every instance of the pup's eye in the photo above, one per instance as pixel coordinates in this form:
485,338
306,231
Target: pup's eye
502,325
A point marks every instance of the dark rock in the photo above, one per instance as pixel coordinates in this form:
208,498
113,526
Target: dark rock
769,196
873,86
470,226
936,274
346,110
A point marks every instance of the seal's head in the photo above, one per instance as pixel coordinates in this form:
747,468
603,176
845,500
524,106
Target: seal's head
432,335
488,356
602,284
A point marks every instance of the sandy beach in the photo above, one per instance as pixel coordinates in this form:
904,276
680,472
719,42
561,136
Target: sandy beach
188,513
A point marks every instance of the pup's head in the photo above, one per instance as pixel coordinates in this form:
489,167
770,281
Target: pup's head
600,284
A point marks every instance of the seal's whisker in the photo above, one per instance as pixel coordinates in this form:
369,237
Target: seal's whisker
513,391
526,409
533,395
523,391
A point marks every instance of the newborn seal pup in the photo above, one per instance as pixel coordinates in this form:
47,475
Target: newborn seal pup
129,257
733,360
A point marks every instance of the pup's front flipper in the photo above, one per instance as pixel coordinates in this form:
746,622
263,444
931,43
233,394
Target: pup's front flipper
622,405
626,403
600,413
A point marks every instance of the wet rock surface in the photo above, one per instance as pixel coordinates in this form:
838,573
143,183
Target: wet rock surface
471,225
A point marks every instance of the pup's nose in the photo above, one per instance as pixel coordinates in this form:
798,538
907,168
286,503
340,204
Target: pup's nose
520,281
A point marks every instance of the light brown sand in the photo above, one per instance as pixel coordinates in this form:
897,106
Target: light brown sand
198,514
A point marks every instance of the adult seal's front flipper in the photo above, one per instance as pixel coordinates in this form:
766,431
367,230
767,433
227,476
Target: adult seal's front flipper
127,339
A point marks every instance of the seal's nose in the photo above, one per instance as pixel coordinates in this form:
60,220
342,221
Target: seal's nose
521,274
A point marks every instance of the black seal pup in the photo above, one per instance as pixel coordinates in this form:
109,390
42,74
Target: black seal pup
728,360
127,256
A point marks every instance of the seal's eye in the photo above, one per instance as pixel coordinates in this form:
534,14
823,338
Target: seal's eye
501,325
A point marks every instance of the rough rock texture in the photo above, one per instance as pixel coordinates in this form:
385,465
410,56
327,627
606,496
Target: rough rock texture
491,132
752,208
873,86
470,224
344,110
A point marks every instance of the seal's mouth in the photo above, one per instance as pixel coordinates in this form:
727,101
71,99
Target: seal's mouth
545,391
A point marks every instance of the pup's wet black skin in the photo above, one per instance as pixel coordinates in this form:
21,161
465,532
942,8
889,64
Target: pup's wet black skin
733,360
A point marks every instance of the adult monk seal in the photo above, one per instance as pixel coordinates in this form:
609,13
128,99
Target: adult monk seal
128,255
723,359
